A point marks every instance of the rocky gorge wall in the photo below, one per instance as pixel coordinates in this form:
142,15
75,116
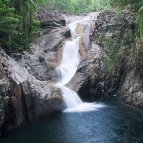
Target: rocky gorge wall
110,63
102,69
115,34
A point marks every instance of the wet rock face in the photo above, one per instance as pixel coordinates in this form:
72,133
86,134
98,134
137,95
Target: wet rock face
4,87
87,72
119,33
2,110
23,98
114,33
131,90
26,105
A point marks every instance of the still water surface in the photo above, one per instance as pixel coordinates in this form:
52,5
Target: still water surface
115,123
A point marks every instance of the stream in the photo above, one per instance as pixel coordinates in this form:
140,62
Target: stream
115,123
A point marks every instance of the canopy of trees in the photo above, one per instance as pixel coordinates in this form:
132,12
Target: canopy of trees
79,6
17,25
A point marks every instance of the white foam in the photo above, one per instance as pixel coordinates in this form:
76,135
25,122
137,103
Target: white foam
85,107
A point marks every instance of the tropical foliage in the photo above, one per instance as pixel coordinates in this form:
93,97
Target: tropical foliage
79,6
18,27
17,23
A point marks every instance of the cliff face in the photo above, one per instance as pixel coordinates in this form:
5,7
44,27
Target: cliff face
102,69
115,33
132,88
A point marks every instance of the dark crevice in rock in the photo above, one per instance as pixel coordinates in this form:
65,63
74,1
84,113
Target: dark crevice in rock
84,91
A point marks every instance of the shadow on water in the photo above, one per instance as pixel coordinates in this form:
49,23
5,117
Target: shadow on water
116,123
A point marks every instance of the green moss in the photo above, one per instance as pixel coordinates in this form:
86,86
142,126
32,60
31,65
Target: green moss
114,45
110,42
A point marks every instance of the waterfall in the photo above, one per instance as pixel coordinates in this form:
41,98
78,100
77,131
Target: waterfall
70,61
66,71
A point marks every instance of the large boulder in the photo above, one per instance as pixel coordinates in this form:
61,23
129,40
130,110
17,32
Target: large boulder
42,58
23,98
89,70
50,18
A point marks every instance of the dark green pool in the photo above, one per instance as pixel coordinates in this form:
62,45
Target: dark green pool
116,123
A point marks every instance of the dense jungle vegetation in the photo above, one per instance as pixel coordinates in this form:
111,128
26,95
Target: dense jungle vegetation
18,26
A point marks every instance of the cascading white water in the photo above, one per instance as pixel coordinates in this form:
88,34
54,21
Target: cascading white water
70,61
66,70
